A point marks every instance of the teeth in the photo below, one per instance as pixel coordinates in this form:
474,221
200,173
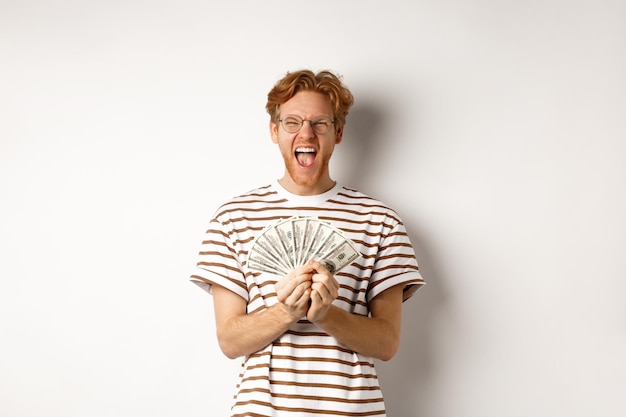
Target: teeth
307,150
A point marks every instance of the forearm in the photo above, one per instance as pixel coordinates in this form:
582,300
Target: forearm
369,336
246,334
241,334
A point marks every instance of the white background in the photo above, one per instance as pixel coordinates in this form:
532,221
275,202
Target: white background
495,128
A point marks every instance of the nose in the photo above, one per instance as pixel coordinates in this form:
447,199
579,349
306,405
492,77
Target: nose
306,130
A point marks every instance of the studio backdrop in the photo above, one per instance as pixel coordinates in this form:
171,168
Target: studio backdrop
495,129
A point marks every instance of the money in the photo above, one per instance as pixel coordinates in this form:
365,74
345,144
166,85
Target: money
290,243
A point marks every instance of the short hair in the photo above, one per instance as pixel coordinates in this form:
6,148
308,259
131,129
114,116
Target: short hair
324,82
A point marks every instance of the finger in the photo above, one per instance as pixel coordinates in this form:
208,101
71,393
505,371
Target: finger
294,274
323,295
290,283
323,274
319,290
327,280
316,306
331,287
305,297
300,279
298,292
307,268
318,267
315,298
304,286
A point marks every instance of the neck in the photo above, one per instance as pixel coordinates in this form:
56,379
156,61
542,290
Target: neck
320,187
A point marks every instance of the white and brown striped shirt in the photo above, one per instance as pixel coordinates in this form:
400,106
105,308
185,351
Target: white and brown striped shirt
306,372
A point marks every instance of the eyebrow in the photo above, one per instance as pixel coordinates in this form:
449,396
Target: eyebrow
314,117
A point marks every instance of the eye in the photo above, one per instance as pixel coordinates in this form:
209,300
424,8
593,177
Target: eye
292,121
323,122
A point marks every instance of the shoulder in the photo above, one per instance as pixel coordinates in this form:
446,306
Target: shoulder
353,194
264,192
257,197
365,203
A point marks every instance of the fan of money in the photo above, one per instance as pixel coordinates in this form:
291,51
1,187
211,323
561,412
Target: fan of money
292,242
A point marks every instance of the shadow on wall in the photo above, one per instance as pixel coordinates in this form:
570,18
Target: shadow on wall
363,144
406,379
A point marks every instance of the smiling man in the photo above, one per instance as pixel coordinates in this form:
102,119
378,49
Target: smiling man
308,336
306,141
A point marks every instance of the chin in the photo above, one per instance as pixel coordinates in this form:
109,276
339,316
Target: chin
310,179
304,180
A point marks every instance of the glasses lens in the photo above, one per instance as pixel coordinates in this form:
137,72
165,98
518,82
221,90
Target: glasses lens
292,123
321,125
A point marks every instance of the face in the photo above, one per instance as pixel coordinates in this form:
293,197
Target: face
306,153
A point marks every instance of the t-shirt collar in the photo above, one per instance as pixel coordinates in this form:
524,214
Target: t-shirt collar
306,200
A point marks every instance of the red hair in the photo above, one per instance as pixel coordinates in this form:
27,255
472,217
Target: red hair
324,82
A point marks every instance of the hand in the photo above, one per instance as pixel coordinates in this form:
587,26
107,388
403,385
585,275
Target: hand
324,290
294,291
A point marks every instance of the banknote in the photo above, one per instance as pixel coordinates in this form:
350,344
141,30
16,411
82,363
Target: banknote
292,242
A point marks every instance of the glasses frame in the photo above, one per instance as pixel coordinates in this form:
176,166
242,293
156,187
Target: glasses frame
311,123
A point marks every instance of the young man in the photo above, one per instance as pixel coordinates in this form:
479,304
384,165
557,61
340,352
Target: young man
308,336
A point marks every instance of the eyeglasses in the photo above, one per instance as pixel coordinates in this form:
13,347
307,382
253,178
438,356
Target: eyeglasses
292,123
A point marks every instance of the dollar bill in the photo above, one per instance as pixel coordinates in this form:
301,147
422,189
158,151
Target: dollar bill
285,231
338,258
260,260
289,243
280,248
272,253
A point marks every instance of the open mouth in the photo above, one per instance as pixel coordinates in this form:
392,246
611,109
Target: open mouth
305,156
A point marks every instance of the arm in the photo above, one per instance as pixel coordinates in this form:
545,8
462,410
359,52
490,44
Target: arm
241,334
377,336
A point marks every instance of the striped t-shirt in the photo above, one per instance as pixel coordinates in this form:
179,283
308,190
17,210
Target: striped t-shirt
306,372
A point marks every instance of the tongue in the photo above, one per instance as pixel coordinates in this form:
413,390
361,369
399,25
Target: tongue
305,158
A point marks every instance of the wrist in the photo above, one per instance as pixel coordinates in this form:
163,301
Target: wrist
324,317
285,315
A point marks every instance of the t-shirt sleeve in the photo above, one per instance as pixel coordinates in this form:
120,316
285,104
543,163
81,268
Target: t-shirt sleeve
395,264
218,262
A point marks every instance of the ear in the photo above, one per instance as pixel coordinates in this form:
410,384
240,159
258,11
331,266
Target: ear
338,136
274,131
